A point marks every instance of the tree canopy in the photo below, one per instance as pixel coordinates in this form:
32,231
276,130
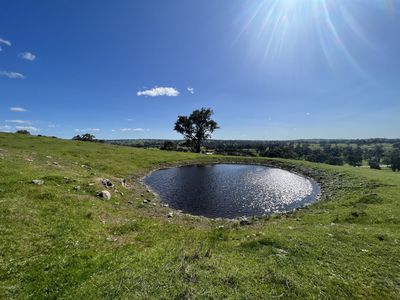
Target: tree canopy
87,137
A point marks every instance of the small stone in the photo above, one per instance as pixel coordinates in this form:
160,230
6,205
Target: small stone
281,252
77,188
244,221
37,181
124,184
170,214
154,204
106,195
107,183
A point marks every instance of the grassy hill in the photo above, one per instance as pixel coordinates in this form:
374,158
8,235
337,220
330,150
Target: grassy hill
58,240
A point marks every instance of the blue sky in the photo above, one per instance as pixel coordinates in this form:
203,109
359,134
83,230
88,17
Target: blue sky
272,69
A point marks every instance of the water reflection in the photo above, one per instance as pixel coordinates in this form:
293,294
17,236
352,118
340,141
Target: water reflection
231,190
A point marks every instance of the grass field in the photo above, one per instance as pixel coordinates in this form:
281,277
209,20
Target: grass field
58,240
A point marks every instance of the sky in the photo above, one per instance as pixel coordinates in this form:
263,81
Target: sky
270,69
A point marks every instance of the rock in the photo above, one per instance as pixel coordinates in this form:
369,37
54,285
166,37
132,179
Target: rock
37,181
106,195
107,183
244,221
112,239
170,215
281,252
124,184
77,188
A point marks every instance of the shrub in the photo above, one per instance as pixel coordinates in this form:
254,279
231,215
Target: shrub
23,131
374,164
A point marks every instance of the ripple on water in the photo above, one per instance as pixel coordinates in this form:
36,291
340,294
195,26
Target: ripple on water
232,190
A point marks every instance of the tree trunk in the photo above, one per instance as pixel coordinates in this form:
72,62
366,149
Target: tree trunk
198,147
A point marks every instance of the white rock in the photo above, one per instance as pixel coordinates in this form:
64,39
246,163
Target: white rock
37,181
106,195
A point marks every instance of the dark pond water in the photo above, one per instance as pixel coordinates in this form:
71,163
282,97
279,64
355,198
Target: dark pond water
231,190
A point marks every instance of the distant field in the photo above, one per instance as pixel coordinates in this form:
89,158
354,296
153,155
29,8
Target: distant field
58,240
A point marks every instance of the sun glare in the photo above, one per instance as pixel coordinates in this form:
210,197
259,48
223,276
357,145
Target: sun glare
280,29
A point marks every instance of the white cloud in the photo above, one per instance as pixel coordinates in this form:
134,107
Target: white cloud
27,56
132,129
19,121
5,128
29,128
113,130
13,75
51,126
308,114
18,109
190,90
159,91
5,42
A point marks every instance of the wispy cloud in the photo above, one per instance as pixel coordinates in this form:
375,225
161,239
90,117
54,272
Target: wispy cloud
190,90
5,42
159,91
308,114
88,130
133,129
51,126
18,109
13,75
27,56
29,128
19,121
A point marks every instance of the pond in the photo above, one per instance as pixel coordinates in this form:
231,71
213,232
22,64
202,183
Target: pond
231,190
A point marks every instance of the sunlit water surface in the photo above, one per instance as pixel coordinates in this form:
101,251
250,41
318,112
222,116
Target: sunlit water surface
231,190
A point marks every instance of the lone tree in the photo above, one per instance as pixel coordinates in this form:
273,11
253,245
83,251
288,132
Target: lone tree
197,127
87,137
23,131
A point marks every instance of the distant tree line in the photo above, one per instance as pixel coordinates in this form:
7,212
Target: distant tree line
374,152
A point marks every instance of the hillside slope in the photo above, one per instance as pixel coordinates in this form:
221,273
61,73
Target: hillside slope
58,240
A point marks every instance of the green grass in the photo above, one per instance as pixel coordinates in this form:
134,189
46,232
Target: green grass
59,241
